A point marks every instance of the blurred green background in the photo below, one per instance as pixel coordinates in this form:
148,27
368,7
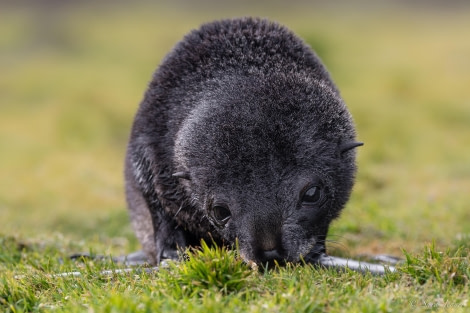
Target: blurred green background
74,72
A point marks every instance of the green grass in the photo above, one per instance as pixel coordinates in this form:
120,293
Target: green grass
215,279
71,81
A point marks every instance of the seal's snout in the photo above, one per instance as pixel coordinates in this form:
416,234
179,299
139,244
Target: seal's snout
266,243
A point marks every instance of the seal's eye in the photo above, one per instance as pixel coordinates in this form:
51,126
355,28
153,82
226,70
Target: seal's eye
221,214
311,195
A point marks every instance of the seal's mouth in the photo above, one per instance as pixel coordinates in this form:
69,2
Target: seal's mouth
280,257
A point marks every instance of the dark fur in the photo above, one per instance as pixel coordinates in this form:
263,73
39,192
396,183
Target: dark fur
247,116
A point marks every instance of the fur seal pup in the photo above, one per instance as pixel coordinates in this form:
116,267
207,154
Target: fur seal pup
241,135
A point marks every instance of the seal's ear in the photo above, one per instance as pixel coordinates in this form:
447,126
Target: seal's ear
346,146
182,175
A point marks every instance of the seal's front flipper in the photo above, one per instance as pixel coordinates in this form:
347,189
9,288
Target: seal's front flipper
169,238
358,266
383,258
133,259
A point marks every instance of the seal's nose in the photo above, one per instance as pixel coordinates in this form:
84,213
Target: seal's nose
270,256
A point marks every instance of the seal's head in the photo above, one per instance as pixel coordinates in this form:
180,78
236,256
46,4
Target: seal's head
269,160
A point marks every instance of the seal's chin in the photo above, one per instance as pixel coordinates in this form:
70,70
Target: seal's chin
265,263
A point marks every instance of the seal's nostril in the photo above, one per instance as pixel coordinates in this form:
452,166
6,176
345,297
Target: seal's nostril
270,255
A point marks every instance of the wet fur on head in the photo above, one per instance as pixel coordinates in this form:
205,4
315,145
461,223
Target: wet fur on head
239,123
